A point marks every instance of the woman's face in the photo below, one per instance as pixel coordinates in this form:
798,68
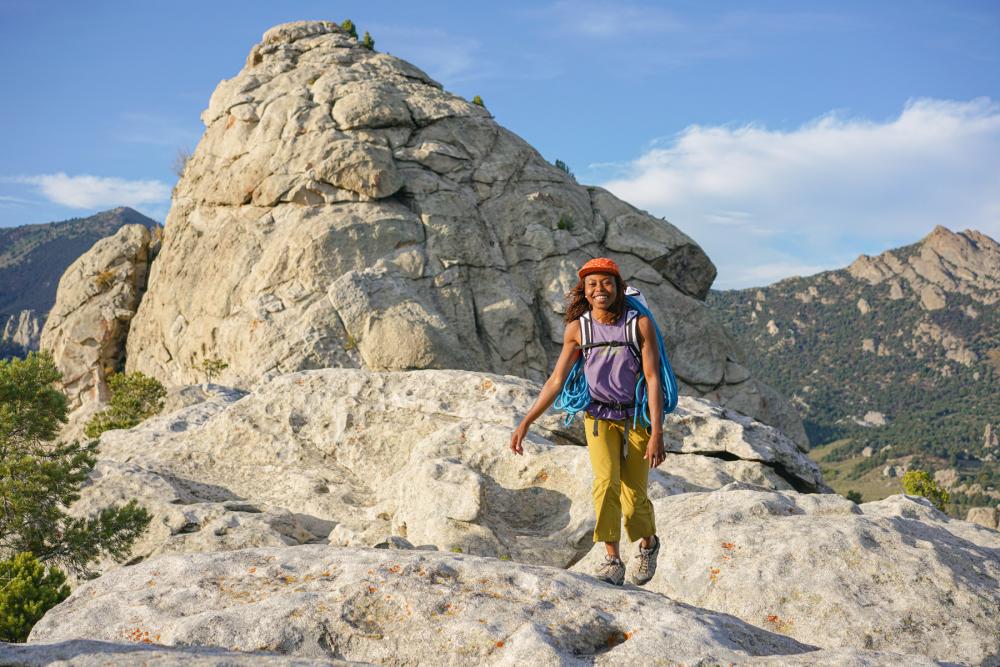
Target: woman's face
600,290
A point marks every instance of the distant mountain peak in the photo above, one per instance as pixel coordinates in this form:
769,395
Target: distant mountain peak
942,262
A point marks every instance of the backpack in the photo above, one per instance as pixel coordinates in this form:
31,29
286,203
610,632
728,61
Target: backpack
575,394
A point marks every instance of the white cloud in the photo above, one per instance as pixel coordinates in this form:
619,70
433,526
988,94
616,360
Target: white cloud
763,202
89,192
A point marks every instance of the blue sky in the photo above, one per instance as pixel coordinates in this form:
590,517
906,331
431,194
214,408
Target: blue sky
784,137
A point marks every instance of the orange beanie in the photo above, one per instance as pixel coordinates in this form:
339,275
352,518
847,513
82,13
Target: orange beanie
599,265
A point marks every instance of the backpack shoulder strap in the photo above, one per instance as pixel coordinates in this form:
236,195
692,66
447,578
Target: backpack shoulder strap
632,334
586,332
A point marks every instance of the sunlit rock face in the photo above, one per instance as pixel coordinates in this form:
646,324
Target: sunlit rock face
342,210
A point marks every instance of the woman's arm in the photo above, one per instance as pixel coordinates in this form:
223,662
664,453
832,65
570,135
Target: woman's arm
655,452
552,386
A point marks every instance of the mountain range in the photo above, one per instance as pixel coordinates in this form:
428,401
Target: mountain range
892,362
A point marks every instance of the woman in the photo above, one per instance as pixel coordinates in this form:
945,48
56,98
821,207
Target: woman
621,457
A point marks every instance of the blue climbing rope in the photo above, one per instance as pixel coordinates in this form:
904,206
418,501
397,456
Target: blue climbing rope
575,394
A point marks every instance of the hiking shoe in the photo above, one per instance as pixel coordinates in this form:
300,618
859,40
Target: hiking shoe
611,570
645,564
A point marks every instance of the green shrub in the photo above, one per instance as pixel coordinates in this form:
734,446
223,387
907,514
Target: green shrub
39,478
920,483
134,397
368,42
348,25
27,591
478,101
212,367
854,496
565,222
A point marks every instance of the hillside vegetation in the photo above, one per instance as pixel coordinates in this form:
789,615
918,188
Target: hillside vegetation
893,363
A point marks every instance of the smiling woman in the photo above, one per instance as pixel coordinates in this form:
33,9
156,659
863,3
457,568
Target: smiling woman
620,347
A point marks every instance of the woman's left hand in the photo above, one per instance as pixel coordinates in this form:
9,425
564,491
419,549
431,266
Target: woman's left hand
655,451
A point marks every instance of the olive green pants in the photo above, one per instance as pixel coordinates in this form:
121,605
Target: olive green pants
619,483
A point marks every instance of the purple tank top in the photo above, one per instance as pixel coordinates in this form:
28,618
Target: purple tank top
611,371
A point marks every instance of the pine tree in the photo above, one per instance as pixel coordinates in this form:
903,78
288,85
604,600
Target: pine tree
348,25
368,42
477,100
39,479
562,166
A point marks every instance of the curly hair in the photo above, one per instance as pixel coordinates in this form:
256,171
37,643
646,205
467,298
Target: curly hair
577,304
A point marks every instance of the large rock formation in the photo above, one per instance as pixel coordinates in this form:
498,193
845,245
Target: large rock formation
889,575
344,210
34,257
20,333
97,297
354,457
408,608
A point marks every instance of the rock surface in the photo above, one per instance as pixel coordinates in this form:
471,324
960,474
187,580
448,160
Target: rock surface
988,517
400,607
135,650
352,457
889,575
348,212
97,297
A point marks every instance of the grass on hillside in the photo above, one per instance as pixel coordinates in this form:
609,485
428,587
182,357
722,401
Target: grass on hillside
837,474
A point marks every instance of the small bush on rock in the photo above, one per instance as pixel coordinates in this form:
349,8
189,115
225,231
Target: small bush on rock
27,590
348,25
920,483
39,479
854,496
104,279
368,42
478,101
134,397
212,367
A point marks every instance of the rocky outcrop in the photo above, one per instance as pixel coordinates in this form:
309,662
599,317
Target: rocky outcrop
20,332
34,257
988,517
97,297
342,210
354,457
943,262
889,575
407,607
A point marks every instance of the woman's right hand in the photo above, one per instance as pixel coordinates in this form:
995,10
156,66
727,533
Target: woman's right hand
520,433
552,386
